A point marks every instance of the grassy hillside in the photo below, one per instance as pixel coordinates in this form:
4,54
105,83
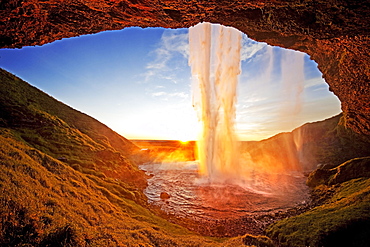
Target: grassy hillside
56,129
46,203
339,212
68,180
329,142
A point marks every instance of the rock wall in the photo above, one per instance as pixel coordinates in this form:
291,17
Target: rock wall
335,33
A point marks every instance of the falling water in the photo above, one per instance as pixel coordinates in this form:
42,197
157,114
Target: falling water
215,66
233,182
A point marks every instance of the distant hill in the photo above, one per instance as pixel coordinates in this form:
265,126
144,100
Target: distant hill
325,142
168,150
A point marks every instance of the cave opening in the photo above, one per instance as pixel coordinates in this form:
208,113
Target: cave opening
94,72
132,81
335,34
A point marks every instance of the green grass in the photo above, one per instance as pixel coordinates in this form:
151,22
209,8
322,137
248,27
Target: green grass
343,220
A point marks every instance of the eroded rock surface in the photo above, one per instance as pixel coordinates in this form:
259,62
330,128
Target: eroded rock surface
334,33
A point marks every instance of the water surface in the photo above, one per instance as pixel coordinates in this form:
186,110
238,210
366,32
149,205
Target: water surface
191,196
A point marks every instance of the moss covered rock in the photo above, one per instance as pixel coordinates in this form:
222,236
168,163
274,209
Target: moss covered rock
354,168
344,220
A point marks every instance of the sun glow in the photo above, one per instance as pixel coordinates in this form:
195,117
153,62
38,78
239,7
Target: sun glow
176,123
184,141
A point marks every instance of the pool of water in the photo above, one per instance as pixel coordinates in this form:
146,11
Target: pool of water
192,196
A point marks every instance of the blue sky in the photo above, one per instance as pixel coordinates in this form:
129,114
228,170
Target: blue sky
138,82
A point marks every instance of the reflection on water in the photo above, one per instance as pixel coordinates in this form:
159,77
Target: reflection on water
193,197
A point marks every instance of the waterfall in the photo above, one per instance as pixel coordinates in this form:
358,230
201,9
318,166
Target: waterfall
215,66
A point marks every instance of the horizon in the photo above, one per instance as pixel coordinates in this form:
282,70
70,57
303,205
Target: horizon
186,141
138,83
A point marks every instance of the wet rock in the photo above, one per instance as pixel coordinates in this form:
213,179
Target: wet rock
63,159
164,196
319,176
354,168
351,169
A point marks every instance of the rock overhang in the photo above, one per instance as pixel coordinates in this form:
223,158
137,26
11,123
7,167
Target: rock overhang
334,33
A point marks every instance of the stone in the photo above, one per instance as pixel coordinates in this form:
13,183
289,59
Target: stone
351,169
164,196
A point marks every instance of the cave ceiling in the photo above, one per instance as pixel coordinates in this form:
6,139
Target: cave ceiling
334,33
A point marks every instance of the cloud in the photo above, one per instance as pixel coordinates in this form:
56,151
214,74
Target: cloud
180,95
176,41
250,47
313,82
166,96
156,94
171,54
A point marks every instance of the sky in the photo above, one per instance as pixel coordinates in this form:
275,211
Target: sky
138,82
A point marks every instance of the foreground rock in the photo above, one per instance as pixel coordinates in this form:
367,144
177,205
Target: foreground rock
164,196
341,212
354,168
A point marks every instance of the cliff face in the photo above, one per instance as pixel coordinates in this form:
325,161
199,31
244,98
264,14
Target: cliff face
335,33
311,145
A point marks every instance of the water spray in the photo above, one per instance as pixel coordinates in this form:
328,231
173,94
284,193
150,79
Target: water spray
215,66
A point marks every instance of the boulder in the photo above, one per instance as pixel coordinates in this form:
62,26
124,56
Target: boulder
164,196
